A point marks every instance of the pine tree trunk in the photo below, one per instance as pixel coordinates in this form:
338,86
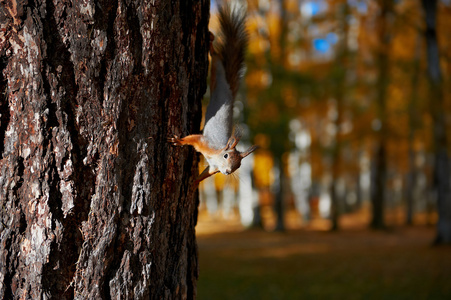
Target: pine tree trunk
95,204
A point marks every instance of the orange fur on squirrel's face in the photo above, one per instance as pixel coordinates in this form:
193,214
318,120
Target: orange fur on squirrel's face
226,160
229,159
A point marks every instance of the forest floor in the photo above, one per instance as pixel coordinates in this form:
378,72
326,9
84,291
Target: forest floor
312,263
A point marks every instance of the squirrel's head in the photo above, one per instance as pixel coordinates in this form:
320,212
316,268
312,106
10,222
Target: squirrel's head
230,158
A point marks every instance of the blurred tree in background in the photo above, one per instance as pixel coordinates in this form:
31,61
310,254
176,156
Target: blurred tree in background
437,103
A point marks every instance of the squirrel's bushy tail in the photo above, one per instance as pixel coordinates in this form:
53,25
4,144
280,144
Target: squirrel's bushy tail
232,43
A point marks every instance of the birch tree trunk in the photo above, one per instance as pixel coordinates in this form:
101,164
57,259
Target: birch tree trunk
95,204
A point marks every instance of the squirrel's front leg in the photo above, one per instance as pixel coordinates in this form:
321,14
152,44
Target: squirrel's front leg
205,174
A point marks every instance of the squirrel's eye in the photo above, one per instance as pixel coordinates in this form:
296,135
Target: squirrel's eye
226,156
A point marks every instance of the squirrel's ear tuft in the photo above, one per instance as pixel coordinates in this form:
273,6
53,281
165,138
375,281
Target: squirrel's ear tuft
249,151
231,143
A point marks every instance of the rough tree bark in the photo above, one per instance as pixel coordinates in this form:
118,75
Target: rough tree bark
437,101
95,204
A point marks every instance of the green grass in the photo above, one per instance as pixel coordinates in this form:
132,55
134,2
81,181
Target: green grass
318,265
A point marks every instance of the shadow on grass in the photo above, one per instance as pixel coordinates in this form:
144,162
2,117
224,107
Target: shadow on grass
301,264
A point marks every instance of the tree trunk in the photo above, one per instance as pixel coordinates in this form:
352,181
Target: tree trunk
437,96
339,93
95,203
380,156
411,178
279,189
378,180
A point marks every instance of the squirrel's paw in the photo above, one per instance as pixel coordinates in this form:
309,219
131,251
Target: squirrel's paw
176,141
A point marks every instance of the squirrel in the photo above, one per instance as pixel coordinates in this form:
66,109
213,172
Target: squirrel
218,141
